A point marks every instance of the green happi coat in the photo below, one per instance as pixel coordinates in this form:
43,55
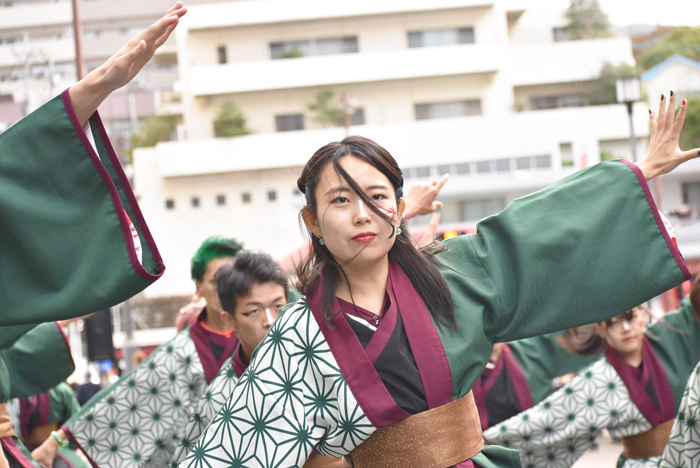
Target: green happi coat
580,251
66,213
556,432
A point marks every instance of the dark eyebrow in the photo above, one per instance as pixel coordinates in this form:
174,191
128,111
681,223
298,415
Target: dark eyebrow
261,304
371,187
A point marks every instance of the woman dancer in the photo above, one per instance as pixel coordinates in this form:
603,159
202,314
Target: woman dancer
387,333
633,391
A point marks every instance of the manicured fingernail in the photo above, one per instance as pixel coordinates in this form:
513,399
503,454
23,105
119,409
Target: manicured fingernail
662,97
685,102
671,93
649,111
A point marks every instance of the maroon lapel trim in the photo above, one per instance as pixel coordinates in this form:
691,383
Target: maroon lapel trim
239,366
517,377
666,409
16,453
423,337
384,330
209,363
357,369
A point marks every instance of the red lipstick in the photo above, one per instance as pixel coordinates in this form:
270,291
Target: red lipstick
364,237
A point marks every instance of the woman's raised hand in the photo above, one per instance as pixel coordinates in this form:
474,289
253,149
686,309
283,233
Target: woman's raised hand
123,66
664,154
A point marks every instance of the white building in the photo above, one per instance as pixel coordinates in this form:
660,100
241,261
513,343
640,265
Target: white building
477,88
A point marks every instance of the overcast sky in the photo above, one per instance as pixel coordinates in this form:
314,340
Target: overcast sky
666,12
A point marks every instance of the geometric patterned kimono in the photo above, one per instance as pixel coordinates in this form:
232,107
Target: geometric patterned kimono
51,408
683,448
68,211
609,395
522,376
23,350
135,421
560,258
211,402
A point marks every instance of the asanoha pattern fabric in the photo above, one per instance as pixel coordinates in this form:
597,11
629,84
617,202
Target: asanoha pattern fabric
211,402
557,431
291,399
134,422
683,448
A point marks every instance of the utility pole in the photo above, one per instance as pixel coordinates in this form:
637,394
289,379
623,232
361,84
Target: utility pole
77,33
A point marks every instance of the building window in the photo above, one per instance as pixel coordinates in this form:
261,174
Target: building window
567,155
289,122
439,37
474,210
169,204
556,102
221,200
440,110
221,54
691,194
195,202
305,48
245,197
271,195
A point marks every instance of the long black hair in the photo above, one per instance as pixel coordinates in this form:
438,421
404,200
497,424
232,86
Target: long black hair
420,266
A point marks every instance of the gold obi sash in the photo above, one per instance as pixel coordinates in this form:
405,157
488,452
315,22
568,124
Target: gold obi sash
650,443
437,438
39,434
5,423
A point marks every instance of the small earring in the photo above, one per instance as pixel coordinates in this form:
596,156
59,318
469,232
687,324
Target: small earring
321,241
398,231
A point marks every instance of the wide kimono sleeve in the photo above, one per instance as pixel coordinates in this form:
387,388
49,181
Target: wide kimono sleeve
37,361
211,402
66,213
582,250
542,358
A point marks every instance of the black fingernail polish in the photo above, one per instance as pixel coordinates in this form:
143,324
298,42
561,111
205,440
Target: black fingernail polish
662,97
649,111
671,93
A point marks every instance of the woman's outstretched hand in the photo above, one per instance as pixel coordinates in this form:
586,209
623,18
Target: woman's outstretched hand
123,66
664,154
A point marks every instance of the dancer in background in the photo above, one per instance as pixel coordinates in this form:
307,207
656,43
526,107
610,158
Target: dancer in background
33,359
155,400
38,417
387,332
519,374
633,392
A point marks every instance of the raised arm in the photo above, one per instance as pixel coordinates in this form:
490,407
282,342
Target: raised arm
664,154
122,67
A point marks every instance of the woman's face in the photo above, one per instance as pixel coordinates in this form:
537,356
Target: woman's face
352,232
624,335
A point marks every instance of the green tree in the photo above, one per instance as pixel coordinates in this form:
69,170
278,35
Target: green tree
690,135
606,88
230,121
586,20
683,41
155,128
326,109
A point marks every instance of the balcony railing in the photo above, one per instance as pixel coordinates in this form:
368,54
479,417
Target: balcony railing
345,68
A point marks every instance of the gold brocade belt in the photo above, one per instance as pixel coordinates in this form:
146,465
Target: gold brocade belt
39,434
650,443
5,423
437,438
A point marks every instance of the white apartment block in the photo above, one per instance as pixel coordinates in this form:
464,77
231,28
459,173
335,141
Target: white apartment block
482,89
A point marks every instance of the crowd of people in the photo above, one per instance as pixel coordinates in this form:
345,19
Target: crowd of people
384,351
